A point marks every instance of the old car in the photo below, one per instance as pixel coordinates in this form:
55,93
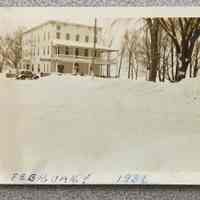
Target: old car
22,75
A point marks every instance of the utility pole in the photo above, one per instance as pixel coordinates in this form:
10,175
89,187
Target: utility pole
94,48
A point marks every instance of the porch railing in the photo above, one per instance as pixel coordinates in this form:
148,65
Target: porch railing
87,58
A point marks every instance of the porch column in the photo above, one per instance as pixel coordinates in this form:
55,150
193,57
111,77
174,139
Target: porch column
89,66
73,52
56,65
57,51
73,65
73,70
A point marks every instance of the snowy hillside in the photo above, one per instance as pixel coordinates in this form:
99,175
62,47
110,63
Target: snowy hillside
80,123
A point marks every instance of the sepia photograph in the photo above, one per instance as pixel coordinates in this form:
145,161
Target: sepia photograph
94,98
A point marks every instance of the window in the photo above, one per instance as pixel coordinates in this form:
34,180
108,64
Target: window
44,52
98,54
58,27
48,35
77,37
38,38
32,67
48,50
94,53
77,52
86,38
38,51
67,36
38,68
58,35
47,67
66,50
44,68
86,52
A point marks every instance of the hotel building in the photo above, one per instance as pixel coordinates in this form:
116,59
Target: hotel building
64,47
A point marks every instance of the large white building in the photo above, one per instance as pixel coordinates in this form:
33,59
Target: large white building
63,47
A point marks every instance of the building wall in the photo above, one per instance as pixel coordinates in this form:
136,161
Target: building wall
36,44
73,30
68,67
83,68
97,70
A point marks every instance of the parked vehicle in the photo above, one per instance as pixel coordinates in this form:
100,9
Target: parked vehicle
26,75
44,74
35,76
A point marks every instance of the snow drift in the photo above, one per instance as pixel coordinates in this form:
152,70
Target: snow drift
66,123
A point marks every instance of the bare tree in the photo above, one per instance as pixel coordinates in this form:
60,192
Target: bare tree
164,52
2,54
14,43
121,54
153,25
127,49
194,66
184,33
132,48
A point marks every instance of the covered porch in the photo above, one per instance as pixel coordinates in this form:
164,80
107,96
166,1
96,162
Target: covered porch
77,66
77,58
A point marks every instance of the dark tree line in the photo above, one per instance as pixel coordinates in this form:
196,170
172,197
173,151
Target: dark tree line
179,48
11,49
169,48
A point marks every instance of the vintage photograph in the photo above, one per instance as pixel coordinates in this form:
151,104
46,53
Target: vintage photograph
98,100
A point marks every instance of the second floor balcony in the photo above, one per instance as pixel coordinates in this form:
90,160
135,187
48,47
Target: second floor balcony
82,52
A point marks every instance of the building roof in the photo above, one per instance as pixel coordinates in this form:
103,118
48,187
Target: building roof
87,45
59,22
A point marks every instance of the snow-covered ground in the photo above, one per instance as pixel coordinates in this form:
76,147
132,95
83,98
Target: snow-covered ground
70,124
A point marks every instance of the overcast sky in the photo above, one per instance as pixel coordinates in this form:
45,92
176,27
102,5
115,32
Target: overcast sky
11,18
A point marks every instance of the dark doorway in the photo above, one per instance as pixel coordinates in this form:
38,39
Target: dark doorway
76,66
61,68
27,67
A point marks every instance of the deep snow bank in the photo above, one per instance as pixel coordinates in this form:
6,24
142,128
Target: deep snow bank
72,123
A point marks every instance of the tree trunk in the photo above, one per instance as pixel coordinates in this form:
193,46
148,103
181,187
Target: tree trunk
132,71
187,47
190,72
177,67
172,61
196,62
184,66
120,64
1,66
129,65
136,69
195,71
154,29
